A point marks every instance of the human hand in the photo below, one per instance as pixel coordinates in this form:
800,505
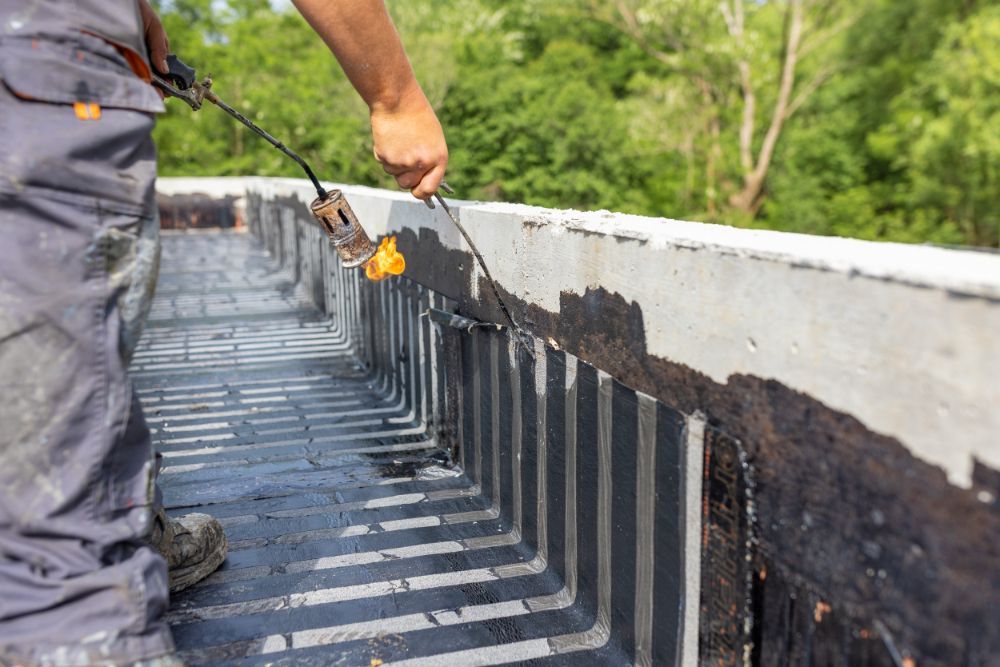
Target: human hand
156,38
410,144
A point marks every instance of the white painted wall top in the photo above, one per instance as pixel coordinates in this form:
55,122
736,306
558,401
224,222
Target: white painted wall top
904,338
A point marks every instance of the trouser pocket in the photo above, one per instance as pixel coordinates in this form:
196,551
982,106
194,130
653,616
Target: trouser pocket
130,248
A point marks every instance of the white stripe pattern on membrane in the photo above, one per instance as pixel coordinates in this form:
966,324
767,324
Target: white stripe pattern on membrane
694,466
645,491
403,335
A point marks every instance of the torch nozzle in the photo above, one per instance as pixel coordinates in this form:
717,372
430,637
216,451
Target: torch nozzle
346,234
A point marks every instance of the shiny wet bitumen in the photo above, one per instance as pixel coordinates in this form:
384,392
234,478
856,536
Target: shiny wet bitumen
352,538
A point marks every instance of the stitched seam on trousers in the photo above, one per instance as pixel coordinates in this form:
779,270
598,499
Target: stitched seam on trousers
133,493
101,486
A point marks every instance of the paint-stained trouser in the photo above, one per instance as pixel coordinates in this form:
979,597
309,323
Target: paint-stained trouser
78,257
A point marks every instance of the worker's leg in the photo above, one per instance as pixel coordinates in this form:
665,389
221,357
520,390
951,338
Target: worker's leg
78,583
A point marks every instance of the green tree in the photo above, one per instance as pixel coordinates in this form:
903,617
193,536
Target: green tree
944,136
273,68
851,163
871,119
530,134
746,66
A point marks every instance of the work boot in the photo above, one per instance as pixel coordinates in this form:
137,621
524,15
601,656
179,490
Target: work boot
193,545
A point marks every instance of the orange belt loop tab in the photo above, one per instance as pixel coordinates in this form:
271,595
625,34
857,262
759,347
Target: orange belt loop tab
87,110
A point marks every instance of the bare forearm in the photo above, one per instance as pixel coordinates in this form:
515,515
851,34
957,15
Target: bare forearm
362,37
408,139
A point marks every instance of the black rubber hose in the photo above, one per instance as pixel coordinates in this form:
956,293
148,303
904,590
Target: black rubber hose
214,99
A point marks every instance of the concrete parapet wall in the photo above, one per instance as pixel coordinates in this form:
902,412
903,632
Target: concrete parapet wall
902,337
856,384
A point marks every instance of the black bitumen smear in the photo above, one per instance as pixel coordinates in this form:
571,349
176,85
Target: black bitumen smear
555,458
844,514
624,428
276,418
668,577
586,487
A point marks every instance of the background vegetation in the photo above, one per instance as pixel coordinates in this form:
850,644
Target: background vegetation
876,119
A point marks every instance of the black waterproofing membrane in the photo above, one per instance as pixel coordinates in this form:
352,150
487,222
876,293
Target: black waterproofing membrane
389,497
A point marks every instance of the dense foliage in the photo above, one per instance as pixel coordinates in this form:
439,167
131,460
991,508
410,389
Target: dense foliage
876,119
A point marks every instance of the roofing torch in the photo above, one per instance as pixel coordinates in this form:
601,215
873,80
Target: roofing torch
331,209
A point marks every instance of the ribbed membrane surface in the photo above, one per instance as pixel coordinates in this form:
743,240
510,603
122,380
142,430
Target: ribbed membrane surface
349,542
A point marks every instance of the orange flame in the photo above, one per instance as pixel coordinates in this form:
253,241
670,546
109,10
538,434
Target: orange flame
387,261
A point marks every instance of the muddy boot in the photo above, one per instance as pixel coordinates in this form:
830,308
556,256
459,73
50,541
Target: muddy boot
193,545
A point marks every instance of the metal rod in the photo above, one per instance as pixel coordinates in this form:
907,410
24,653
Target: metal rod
518,332
214,99
890,645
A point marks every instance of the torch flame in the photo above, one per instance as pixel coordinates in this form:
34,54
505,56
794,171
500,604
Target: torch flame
387,261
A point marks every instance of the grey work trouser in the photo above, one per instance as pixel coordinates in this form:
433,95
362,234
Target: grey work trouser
78,258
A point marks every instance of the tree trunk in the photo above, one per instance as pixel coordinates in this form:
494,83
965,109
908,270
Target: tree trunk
751,197
713,128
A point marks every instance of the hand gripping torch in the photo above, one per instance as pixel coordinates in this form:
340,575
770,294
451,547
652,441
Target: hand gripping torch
331,209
